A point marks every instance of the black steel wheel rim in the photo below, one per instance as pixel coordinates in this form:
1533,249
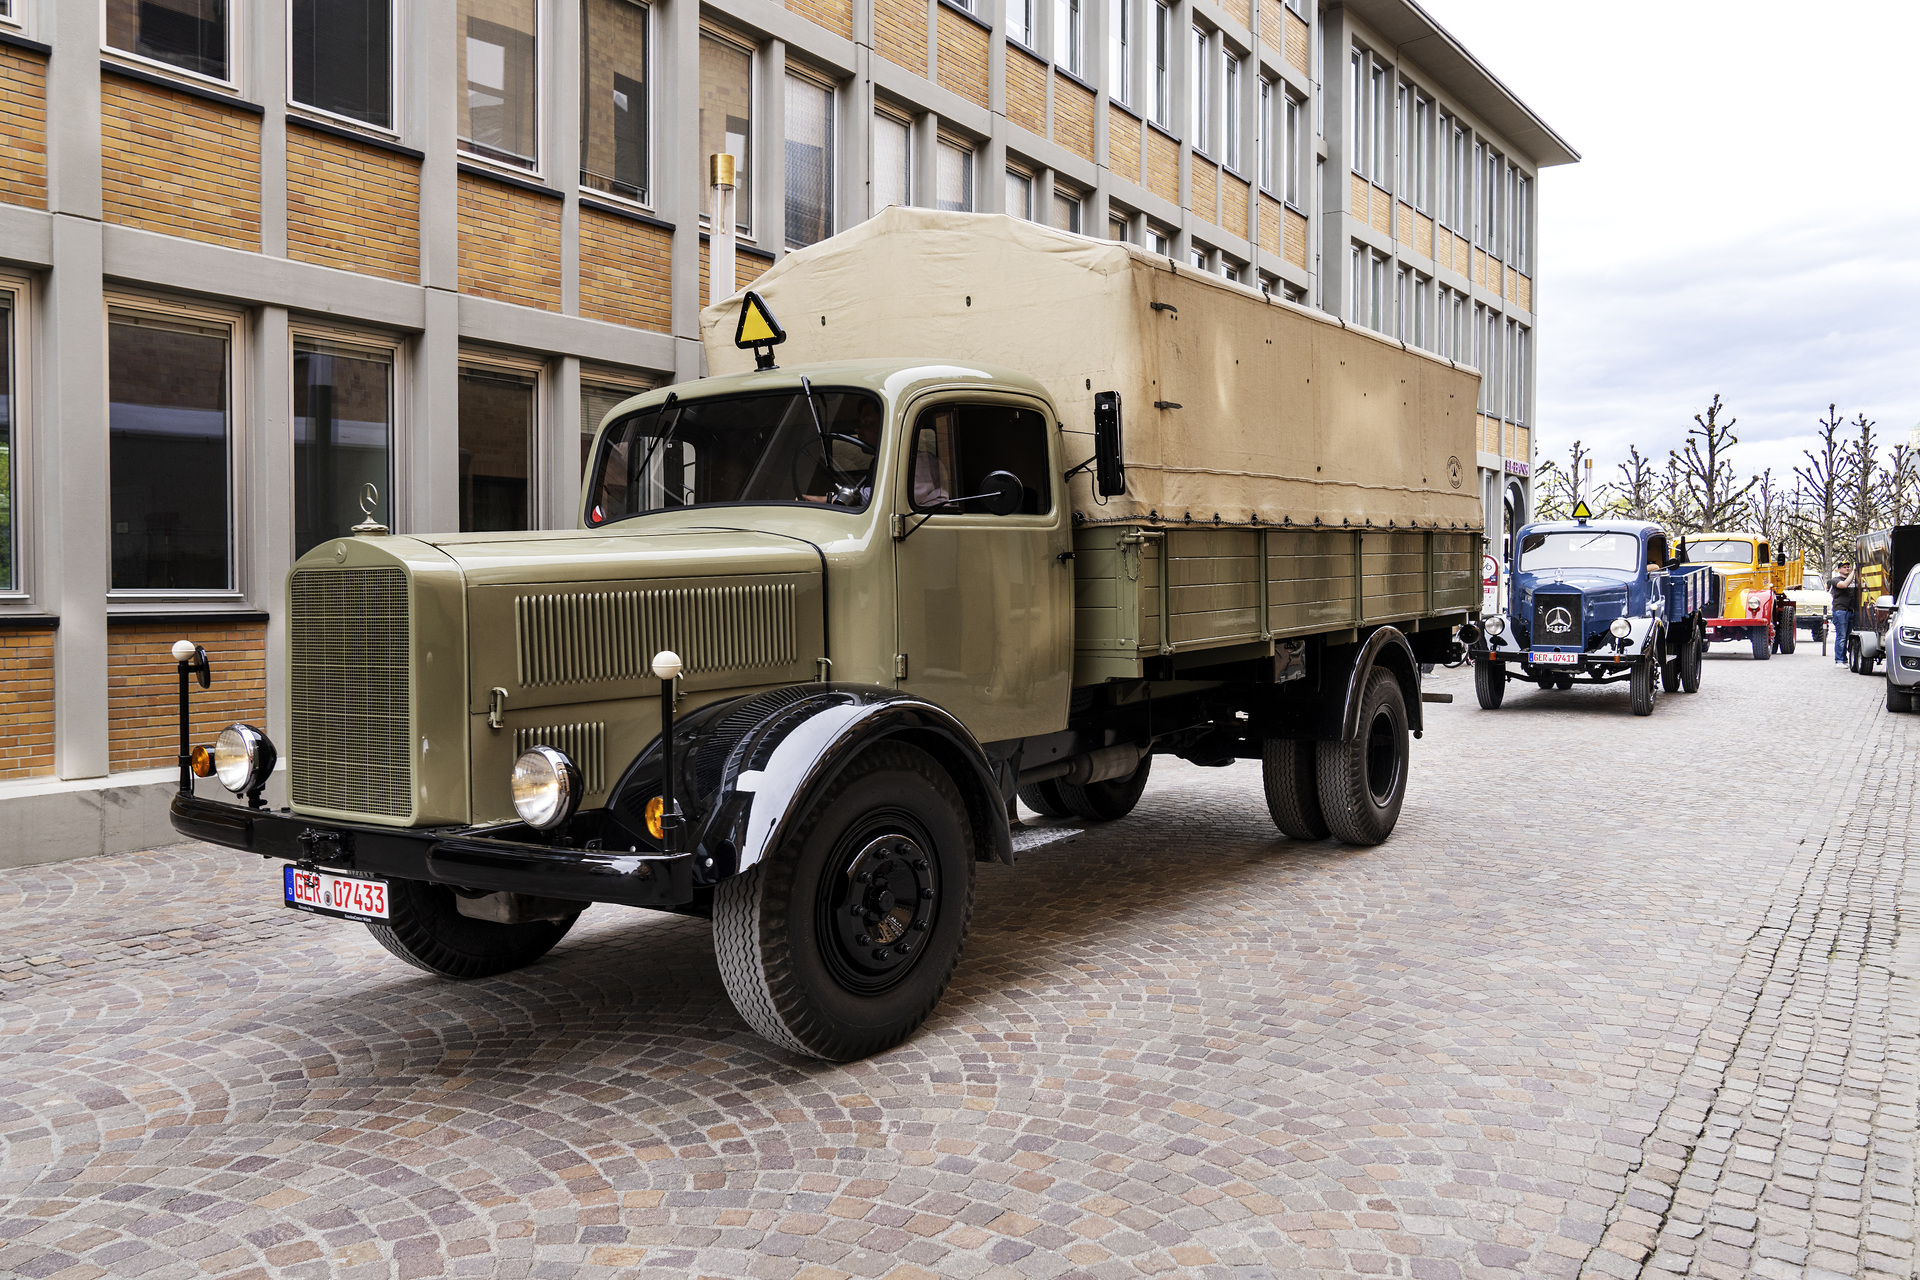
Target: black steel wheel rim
1383,758
878,902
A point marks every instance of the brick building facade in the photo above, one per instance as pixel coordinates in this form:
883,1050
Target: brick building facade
303,246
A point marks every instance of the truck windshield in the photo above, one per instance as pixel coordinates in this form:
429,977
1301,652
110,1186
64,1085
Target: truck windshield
1579,549
761,448
1720,551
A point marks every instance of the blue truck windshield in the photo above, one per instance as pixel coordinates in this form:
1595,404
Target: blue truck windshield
1720,551
1579,549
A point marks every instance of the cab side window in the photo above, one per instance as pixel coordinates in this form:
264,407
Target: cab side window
955,446
1656,551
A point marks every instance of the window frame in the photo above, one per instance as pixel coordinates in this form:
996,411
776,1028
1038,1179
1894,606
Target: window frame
399,513
1200,92
1122,35
18,291
1231,73
395,87
612,378
882,111
240,523
1023,35
1162,62
1072,42
492,358
463,146
970,175
234,44
650,168
756,107
1013,172
915,413
807,75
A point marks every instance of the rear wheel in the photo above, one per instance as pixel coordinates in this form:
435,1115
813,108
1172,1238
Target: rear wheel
840,943
1563,683
1670,672
1762,644
1490,684
426,930
1690,652
1363,782
1898,699
1105,801
1293,790
1646,686
1044,799
1788,631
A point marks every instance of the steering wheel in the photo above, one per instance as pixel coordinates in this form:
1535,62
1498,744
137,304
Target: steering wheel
844,490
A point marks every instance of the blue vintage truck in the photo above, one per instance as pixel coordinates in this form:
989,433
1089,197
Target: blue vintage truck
1598,600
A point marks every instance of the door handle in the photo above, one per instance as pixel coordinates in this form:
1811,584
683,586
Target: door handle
1064,556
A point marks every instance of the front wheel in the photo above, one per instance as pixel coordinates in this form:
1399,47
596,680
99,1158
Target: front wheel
841,941
1364,782
1646,686
1293,791
426,929
1762,643
1898,699
1490,684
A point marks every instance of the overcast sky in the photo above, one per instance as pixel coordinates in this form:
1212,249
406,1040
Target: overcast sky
1745,218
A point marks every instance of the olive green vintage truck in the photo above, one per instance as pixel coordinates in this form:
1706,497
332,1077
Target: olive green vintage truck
1015,512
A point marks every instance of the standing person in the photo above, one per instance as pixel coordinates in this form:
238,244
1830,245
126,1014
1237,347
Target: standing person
1846,602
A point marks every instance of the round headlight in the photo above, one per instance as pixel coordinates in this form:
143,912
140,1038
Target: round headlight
1621,628
1495,625
546,788
242,758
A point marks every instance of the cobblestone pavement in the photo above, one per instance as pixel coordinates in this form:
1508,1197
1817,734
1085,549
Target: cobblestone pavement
1620,997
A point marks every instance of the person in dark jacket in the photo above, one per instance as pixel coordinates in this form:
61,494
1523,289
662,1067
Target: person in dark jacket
1846,603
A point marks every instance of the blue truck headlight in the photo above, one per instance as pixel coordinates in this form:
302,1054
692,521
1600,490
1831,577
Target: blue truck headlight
1621,628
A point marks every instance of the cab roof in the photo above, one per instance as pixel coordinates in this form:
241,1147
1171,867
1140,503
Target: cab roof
1727,537
1637,527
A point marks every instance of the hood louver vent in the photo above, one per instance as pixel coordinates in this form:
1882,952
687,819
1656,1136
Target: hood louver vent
588,637
584,744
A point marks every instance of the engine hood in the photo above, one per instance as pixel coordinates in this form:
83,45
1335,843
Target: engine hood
550,557
1596,583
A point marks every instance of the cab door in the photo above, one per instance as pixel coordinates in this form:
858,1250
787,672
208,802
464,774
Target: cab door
984,601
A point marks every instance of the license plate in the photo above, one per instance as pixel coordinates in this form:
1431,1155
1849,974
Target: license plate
1539,658
348,897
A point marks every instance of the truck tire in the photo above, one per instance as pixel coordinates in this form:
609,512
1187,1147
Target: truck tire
1762,644
1690,662
1490,684
426,930
1044,799
788,930
1363,782
1293,790
1106,801
1646,686
1898,699
1817,629
1670,673
1789,631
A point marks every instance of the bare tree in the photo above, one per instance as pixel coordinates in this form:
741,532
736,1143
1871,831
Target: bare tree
1718,499
1671,504
1820,485
1768,508
1900,489
1556,489
1859,464
1637,485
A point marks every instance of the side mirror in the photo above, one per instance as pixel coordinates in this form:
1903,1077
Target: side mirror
1109,472
1884,602
1004,493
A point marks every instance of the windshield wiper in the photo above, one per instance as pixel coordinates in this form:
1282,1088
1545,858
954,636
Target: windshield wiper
659,442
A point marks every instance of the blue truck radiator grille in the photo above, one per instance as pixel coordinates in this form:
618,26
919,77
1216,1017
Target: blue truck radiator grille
1556,621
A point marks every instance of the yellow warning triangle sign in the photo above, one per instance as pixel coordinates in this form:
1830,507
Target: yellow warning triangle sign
757,326
1580,511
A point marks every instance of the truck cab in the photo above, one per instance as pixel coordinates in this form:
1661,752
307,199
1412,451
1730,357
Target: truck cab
1595,601
1753,579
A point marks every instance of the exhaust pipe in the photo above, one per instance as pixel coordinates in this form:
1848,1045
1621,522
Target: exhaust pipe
1104,765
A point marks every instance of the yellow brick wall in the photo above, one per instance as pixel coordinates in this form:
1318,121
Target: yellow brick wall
1423,235
1273,27
963,57
1206,190
509,244
23,132
1296,239
1297,34
1026,91
1461,261
1073,117
1479,275
1271,211
1163,166
26,704
900,33
1522,444
178,164
1357,189
377,230
626,275
1523,292
1235,194
1382,212
747,268
1123,144
1403,228
835,15
143,689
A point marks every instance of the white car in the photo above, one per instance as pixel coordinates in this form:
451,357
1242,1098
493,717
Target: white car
1903,645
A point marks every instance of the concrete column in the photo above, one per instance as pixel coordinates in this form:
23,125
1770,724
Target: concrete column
269,465
432,124
926,161
563,135
432,445
677,165
560,450
854,173
770,183
1335,94
267,84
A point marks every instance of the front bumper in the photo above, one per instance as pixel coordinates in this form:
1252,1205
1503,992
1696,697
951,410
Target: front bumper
1903,660
461,857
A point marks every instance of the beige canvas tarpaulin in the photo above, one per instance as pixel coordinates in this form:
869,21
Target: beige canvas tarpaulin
1284,415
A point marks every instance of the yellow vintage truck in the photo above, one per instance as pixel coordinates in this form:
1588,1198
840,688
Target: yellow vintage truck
1014,512
1753,580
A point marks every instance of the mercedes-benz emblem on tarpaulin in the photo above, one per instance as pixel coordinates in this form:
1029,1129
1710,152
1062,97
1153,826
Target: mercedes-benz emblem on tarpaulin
1453,472
1559,621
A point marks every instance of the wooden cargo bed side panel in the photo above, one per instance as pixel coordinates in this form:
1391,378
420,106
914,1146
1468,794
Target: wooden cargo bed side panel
1213,586
1393,576
1456,582
1310,581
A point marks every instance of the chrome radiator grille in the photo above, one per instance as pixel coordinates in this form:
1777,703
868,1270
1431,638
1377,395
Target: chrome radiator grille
352,687
612,635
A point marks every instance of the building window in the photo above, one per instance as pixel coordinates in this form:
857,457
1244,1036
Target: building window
726,123
191,35
1066,211
1358,107
1197,94
1117,229
1231,270
1296,150
1422,303
499,64
955,177
1019,194
1422,153
169,428
341,53
892,162
1294,293
9,576
1523,224
1233,113
1019,21
1163,66
1270,140
342,437
809,162
1120,50
1403,146
615,127
1377,316
1382,125
1160,240
1522,371
1198,256
497,417
600,395
1067,35
1357,274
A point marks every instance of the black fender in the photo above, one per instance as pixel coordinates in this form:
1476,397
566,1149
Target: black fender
748,769
1349,666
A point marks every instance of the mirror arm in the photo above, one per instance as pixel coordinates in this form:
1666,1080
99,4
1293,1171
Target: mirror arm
1088,465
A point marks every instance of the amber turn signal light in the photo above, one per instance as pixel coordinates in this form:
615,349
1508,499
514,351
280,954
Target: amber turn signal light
656,809
202,762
